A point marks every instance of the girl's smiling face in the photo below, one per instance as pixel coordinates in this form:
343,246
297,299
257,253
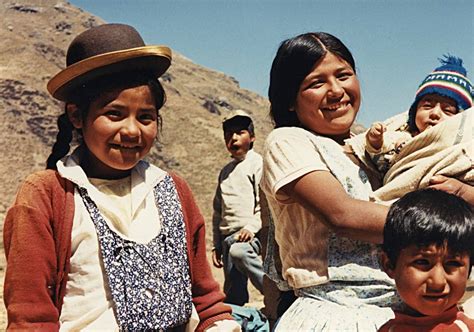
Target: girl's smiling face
118,131
329,98
430,279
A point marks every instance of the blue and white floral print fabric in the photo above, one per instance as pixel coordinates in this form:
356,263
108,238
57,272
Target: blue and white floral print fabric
150,283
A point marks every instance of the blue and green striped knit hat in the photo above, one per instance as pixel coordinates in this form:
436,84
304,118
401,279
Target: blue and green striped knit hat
449,80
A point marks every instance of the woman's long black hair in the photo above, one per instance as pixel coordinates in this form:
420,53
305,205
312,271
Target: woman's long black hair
295,59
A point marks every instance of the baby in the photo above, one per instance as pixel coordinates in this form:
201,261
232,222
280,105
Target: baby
443,93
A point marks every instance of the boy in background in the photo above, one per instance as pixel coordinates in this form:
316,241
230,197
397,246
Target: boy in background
427,249
236,217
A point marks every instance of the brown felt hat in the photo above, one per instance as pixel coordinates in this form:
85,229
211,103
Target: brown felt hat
103,50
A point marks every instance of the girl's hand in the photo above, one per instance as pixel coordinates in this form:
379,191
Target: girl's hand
217,258
453,186
375,135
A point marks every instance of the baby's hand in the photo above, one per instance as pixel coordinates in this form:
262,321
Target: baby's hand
375,135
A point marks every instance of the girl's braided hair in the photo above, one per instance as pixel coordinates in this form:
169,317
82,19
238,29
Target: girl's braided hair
63,140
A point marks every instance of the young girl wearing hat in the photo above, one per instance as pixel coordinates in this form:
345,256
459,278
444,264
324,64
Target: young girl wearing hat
102,239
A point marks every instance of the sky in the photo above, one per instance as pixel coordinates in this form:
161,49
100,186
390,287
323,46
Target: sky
396,44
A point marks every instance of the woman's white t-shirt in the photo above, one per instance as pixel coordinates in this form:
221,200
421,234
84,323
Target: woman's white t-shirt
311,254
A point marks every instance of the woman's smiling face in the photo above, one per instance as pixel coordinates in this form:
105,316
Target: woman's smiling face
329,98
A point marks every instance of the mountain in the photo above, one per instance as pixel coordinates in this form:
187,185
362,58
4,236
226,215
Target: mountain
35,36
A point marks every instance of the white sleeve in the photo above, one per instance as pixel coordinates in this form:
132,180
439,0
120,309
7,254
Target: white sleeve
289,153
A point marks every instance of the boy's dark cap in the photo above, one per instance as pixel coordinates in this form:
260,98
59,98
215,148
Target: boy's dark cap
103,50
237,114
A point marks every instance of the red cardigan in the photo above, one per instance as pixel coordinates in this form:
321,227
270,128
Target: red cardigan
37,239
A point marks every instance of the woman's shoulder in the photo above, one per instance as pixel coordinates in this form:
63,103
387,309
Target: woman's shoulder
296,138
288,133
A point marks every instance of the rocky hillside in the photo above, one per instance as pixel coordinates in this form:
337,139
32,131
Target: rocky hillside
35,35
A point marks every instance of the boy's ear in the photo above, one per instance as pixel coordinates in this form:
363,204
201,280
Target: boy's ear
74,115
252,138
387,265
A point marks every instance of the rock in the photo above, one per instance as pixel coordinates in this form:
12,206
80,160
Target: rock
211,107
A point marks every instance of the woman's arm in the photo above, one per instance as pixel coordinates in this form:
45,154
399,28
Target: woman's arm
453,186
321,193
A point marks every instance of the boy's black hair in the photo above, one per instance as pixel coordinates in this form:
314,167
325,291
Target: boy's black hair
425,217
239,123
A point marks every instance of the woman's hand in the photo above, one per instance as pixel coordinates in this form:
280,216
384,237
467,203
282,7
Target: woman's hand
453,186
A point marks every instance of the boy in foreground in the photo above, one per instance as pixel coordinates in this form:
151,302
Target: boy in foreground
427,249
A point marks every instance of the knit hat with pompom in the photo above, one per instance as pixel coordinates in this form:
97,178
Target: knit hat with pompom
449,80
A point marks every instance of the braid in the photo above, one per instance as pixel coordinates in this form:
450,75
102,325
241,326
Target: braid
63,139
